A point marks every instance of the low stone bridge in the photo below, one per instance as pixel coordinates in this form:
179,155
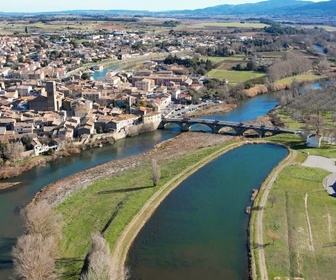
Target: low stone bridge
215,126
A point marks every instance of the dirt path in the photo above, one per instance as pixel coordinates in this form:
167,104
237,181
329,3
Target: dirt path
310,233
259,222
124,242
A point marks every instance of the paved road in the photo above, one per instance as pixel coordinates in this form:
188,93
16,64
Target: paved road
328,164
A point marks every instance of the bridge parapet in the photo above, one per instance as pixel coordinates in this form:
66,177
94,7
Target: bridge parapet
215,126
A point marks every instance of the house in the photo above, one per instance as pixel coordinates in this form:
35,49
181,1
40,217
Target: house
123,121
23,127
24,90
152,117
314,140
145,84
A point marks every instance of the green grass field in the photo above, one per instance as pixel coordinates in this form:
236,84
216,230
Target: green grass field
300,78
296,143
304,217
90,210
234,76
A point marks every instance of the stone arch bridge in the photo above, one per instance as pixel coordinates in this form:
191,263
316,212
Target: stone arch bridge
215,126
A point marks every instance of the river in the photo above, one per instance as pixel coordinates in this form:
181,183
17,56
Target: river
12,200
31,181
200,230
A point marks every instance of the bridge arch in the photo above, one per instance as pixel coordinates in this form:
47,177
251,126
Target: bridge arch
227,130
251,132
203,127
172,126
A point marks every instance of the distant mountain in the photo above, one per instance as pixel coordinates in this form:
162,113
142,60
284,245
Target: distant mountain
270,8
320,8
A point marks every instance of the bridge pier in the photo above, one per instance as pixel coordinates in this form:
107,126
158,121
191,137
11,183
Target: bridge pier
185,127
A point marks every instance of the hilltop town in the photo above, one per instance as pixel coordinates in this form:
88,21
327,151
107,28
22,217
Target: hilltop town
45,96
72,81
49,100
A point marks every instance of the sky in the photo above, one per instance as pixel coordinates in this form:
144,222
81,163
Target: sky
150,5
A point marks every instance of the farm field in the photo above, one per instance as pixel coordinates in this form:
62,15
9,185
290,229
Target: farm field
303,215
326,27
7,28
234,76
234,24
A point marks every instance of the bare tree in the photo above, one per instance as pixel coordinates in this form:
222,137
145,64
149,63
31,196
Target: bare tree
42,219
333,117
272,199
156,172
34,255
33,258
14,151
273,236
315,121
101,265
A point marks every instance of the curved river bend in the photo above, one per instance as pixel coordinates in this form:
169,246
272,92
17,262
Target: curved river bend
35,179
200,230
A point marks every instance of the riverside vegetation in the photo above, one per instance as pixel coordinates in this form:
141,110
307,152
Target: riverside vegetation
86,211
300,214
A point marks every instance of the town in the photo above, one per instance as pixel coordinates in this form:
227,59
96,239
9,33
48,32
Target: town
76,87
49,98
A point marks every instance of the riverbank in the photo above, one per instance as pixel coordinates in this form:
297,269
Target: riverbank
213,109
5,186
81,222
14,169
168,150
129,182
124,242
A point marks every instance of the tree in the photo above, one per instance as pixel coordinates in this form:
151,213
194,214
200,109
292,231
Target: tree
34,255
100,263
272,199
14,151
33,258
86,76
27,142
2,150
156,172
333,117
315,121
273,236
42,219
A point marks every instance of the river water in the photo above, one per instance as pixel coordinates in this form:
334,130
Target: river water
12,200
200,230
32,181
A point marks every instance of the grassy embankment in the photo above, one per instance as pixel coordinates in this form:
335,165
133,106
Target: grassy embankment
303,216
299,78
90,210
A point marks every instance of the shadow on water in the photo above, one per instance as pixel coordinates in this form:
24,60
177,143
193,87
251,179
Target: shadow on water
5,259
123,190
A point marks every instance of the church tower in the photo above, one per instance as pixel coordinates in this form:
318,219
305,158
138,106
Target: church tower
51,96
